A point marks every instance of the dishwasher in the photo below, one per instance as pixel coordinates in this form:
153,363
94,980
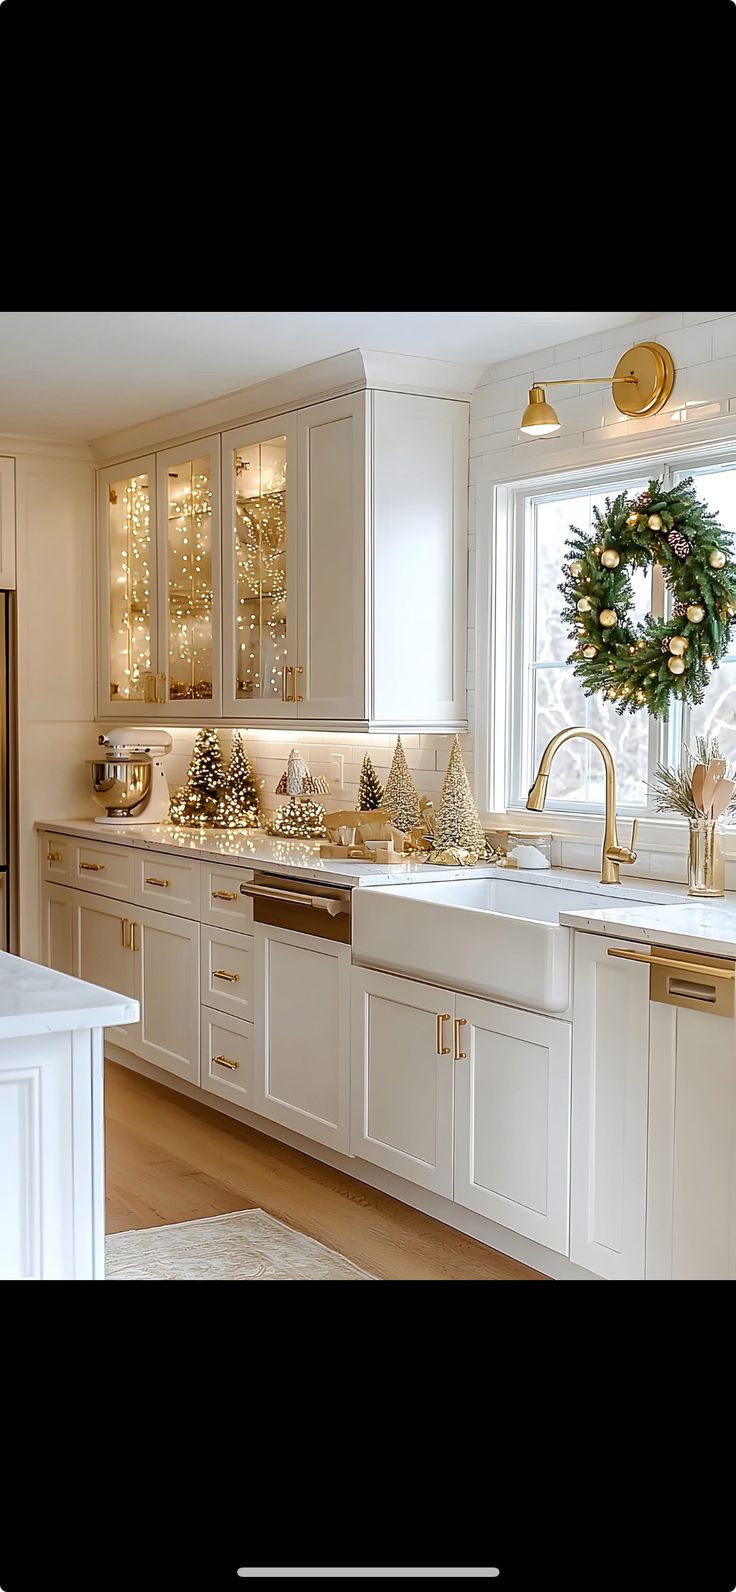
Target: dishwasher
302,967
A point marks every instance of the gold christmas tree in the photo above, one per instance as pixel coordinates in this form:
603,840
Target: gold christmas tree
401,796
239,805
457,822
197,804
299,819
370,789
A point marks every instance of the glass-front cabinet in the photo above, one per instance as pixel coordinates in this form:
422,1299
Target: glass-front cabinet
260,675
188,494
160,583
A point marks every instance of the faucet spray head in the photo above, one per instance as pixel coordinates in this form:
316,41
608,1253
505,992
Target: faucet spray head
538,794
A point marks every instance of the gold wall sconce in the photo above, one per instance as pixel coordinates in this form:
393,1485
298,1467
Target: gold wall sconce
641,384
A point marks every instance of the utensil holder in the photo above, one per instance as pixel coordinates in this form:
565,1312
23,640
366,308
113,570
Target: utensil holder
705,858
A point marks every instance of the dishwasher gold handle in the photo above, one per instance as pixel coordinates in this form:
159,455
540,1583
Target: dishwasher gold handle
670,961
442,1049
297,898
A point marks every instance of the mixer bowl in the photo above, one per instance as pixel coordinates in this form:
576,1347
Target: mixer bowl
121,785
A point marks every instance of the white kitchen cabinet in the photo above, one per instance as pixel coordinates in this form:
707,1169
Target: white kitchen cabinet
334,541
403,1077
302,1034
7,524
165,955
691,1209
227,1057
512,1118
57,927
259,564
102,954
610,1068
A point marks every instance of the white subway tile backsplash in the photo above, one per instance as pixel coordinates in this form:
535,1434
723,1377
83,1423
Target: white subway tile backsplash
692,317
577,348
644,331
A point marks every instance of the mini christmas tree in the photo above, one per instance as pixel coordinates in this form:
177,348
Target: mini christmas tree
198,801
457,822
401,797
299,819
239,806
370,789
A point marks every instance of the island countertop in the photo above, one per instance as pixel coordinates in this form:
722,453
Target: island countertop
38,1000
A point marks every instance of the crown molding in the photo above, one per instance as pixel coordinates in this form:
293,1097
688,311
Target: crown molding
325,378
46,448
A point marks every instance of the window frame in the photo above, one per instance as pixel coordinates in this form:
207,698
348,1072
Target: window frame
512,621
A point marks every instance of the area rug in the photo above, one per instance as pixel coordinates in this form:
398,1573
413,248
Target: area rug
243,1246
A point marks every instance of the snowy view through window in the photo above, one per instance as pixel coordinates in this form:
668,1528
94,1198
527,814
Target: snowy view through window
554,698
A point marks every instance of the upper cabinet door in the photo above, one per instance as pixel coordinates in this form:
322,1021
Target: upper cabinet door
331,660
7,523
129,683
189,576
259,465
420,497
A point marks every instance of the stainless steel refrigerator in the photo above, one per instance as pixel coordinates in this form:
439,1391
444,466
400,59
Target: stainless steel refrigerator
7,772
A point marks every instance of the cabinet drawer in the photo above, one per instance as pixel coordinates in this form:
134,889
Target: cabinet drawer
56,857
222,903
106,870
168,884
227,1057
227,971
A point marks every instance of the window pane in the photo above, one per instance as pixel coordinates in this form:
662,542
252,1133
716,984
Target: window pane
553,521
716,714
577,772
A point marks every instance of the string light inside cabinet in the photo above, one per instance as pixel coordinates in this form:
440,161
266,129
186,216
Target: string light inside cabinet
260,568
641,384
130,538
190,596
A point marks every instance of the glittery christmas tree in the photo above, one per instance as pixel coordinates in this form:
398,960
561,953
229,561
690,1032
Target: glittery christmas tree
299,819
239,805
457,822
370,789
197,804
401,796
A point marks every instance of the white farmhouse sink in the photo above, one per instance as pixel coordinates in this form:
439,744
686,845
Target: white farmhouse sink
497,937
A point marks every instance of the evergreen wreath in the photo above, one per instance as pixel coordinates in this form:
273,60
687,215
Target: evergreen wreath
646,665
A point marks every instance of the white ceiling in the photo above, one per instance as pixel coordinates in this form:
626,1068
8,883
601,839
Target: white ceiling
75,375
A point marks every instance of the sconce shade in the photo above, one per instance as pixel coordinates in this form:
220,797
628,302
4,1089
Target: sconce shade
539,418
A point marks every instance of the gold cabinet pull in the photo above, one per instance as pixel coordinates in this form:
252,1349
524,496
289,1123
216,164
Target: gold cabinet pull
285,672
224,1061
442,1049
134,946
224,895
163,883
93,867
297,670
54,856
124,932
460,1055
231,978
670,961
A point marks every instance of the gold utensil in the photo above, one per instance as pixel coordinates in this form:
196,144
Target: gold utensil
696,785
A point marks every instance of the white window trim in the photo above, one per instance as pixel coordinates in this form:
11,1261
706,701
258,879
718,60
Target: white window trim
695,446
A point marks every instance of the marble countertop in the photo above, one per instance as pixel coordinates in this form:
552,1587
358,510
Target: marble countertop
691,925
38,1000
251,848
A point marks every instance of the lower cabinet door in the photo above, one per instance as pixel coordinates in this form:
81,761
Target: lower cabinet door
691,1188
302,1034
227,1057
102,954
512,1118
165,953
402,1083
57,927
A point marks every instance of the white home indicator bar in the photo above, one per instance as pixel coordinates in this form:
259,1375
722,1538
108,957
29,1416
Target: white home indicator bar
373,1572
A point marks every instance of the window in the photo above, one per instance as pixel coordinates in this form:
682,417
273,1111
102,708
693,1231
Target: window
545,696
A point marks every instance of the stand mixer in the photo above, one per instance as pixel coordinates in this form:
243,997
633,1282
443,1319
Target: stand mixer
128,777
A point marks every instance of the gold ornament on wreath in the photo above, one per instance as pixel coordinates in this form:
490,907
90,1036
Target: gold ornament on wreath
649,664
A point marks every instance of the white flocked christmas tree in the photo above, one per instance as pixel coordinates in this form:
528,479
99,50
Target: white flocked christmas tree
457,822
401,796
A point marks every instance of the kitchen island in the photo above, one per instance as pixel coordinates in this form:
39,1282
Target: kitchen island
51,1121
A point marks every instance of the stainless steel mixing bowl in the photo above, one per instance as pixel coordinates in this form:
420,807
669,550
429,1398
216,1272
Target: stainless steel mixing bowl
121,784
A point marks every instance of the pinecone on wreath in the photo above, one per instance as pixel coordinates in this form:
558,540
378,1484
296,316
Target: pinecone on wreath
679,544
679,608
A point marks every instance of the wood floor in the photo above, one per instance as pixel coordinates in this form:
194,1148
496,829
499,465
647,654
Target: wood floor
170,1159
